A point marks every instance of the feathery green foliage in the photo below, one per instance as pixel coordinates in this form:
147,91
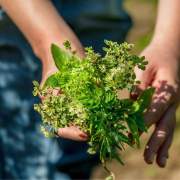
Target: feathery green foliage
89,97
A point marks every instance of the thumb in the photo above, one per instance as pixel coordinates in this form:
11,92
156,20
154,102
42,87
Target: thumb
47,71
145,78
73,133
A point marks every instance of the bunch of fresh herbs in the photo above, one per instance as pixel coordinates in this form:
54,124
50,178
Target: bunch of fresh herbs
89,99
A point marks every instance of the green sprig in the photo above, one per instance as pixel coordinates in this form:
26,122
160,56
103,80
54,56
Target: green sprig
89,97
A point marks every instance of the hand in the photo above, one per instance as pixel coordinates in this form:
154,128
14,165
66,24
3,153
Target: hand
162,72
49,68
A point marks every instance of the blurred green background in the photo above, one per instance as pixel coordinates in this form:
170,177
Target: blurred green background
143,13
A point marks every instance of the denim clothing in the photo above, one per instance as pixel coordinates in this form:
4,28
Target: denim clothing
24,152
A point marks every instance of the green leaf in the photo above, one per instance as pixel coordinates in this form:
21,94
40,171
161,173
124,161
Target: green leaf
36,88
140,122
136,106
110,177
90,97
117,157
91,150
51,81
35,83
145,99
133,129
123,138
60,56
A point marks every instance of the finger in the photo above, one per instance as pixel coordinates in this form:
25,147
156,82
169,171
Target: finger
73,133
47,72
51,91
145,78
159,135
152,146
165,95
162,99
56,91
163,151
42,96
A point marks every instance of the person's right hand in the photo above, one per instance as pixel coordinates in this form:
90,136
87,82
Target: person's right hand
162,73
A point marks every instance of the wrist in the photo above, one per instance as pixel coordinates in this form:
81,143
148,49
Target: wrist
167,43
42,48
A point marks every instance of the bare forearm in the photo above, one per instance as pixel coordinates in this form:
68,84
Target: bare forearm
40,23
168,24
162,73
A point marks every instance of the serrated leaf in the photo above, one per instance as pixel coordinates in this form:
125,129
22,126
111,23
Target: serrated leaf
140,123
117,157
133,129
145,99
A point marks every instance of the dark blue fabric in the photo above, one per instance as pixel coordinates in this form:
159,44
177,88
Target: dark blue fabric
24,152
96,20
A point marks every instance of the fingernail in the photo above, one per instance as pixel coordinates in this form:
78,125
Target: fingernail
134,95
84,136
150,159
163,161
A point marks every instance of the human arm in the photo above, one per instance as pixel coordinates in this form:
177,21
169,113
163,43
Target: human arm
42,25
162,72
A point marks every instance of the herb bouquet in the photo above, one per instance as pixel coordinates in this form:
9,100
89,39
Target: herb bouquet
89,97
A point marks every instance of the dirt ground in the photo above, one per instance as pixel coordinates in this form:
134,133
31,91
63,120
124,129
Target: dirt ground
144,13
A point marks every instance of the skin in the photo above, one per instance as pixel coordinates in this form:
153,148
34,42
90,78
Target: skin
42,25
162,73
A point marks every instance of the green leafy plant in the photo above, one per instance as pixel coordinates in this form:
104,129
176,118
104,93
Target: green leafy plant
89,99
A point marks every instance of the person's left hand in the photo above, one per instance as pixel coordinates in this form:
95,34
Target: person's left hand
49,68
162,72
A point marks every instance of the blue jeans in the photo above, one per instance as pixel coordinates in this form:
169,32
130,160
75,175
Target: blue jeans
25,153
